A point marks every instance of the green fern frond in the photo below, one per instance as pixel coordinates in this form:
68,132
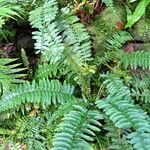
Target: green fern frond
141,88
118,140
65,109
75,35
44,92
10,73
76,129
118,39
136,59
114,48
108,57
48,39
119,106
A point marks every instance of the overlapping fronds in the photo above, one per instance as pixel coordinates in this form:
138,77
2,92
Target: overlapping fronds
118,138
76,129
136,59
44,92
108,57
57,32
7,11
120,108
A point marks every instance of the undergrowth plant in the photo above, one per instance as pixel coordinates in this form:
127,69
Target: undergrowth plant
60,109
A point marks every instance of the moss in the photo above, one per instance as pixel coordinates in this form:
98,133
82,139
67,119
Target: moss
141,30
105,25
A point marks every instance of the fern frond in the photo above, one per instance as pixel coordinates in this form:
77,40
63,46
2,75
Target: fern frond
118,140
108,57
118,39
10,73
114,48
119,106
141,88
76,128
75,35
136,59
44,92
48,40
65,109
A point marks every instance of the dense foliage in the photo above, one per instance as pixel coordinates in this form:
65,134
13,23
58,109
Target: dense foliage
85,85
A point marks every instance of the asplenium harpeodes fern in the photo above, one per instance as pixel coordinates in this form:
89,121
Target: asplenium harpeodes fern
43,93
114,50
61,38
141,88
76,129
10,73
136,59
58,30
119,106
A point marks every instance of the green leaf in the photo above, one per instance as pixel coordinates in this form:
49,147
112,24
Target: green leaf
138,13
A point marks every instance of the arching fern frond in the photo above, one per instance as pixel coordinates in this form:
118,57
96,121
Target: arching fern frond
118,139
65,109
10,73
44,92
48,40
119,106
118,39
75,35
141,88
136,59
108,57
114,48
76,129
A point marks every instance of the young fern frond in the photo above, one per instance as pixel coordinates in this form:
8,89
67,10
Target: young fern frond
136,59
44,93
76,129
119,106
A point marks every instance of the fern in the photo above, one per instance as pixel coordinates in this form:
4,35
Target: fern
118,138
121,110
49,42
54,36
118,39
114,48
10,73
78,37
64,109
44,92
136,59
76,128
141,87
